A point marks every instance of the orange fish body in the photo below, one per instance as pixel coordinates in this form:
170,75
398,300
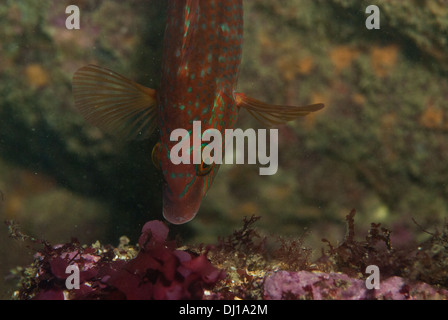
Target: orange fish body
202,55
201,59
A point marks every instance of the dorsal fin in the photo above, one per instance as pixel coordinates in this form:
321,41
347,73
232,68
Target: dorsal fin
271,115
114,103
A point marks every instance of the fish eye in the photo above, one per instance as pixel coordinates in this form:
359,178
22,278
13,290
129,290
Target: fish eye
155,155
204,169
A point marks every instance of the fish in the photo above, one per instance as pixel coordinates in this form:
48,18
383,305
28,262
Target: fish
202,53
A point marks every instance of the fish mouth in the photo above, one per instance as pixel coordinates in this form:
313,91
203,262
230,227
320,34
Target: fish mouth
180,210
177,219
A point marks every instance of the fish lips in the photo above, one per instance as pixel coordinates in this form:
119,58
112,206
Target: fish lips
180,210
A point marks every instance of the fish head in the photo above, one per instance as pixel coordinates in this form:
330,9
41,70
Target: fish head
184,184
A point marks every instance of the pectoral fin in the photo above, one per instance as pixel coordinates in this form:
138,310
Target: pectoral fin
114,103
271,115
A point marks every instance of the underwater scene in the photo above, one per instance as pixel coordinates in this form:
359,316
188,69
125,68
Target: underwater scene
223,150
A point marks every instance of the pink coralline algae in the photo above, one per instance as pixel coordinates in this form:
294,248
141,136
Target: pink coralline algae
254,268
159,271
337,286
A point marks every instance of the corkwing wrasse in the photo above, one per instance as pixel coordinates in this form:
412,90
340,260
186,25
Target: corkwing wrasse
201,60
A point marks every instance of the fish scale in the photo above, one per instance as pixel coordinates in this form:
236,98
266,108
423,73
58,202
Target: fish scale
200,65
193,76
